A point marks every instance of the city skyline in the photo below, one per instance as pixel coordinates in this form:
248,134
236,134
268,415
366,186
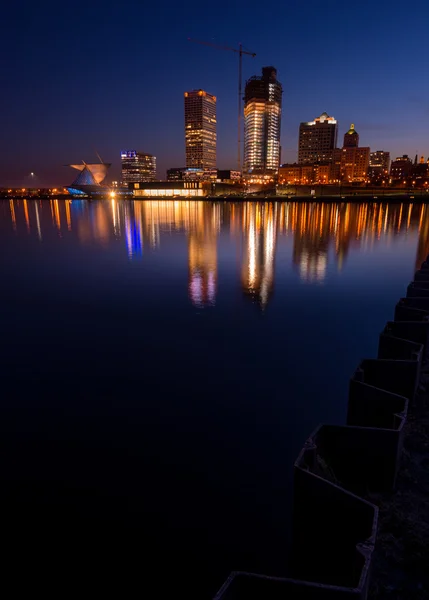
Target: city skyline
47,125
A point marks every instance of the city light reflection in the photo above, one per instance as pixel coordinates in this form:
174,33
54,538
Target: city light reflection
323,234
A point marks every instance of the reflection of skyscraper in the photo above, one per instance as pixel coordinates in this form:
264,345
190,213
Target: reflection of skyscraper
311,242
202,258
260,235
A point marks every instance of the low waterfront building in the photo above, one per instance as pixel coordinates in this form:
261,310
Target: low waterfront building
170,189
191,174
228,176
290,174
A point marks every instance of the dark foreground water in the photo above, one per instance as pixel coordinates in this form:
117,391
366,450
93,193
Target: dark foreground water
162,364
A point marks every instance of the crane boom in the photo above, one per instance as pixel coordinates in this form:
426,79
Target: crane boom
240,53
218,47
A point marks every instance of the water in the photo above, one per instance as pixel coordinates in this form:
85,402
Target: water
162,364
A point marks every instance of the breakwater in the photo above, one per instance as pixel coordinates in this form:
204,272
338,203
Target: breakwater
342,470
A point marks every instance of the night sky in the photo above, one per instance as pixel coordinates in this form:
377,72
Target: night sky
82,77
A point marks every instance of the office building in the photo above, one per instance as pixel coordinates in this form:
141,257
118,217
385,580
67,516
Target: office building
354,164
137,166
351,138
200,130
262,122
378,170
354,159
317,139
401,168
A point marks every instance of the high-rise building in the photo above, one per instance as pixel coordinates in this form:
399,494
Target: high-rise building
200,130
351,138
262,121
137,166
317,139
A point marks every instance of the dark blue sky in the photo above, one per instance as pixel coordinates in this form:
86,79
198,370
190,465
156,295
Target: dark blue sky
84,76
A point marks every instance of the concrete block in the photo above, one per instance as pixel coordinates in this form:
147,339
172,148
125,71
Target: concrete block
422,275
382,415
419,290
404,312
415,331
397,376
250,586
334,530
370,406
416,302
359,459
392,347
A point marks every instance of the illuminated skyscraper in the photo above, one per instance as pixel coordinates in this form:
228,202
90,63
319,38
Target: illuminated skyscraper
200,130
317,139
137,166
351,138
262,121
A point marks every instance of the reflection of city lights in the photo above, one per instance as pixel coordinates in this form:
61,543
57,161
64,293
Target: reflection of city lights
39,230
321,234
12,213
27,218
68,215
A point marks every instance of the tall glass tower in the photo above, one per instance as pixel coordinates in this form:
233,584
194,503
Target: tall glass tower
262,121
200,130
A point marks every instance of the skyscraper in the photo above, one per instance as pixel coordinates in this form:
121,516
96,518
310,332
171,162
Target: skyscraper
262,121
317,139
137,166
351,138
200,130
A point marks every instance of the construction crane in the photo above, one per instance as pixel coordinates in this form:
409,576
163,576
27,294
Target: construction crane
240,53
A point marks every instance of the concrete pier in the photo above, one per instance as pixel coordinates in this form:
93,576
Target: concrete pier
334,526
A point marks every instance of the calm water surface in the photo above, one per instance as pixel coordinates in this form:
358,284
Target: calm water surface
162,364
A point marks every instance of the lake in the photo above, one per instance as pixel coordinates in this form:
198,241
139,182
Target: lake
163,363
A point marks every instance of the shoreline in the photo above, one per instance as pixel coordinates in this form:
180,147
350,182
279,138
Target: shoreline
361,510
328,199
